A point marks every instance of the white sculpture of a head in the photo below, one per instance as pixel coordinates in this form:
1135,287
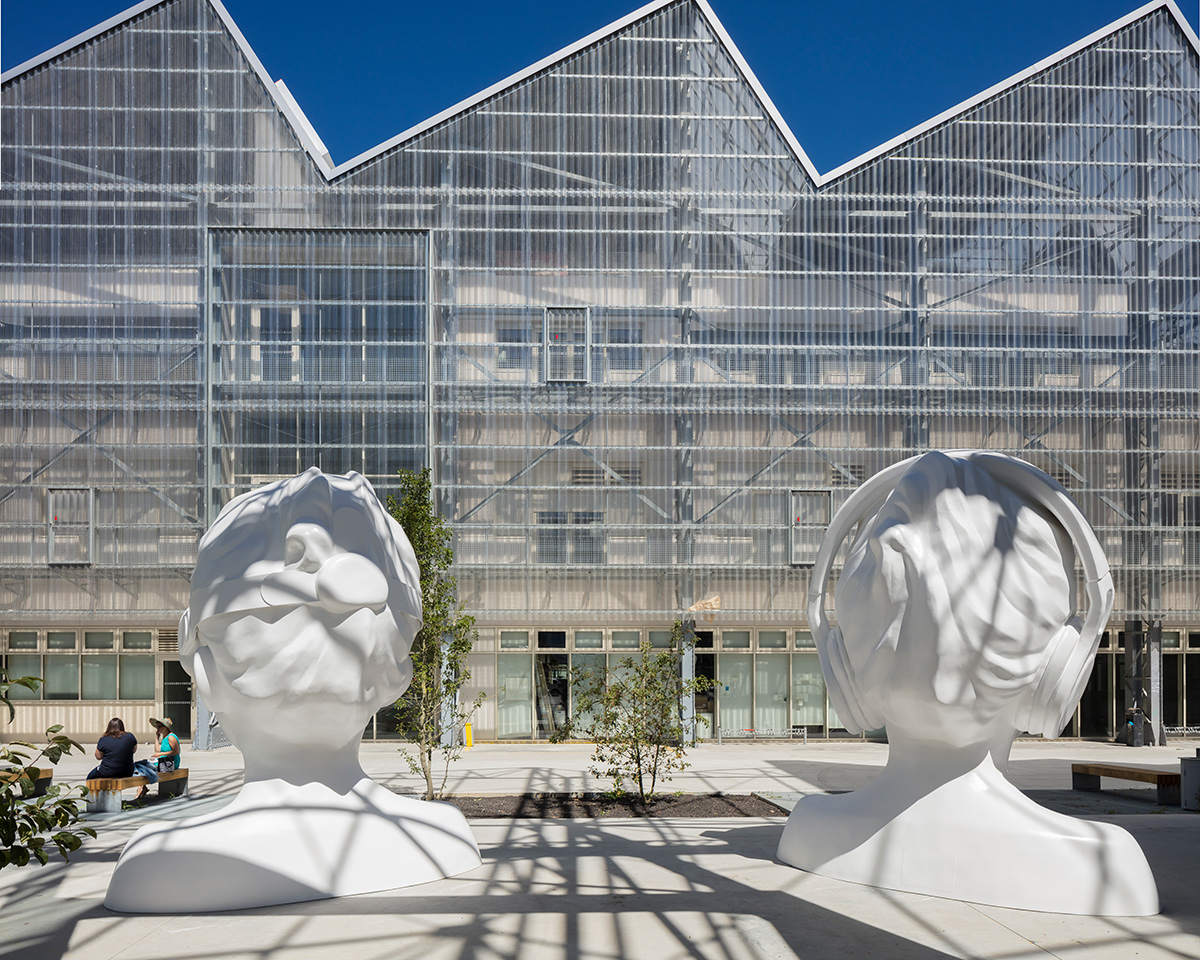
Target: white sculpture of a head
304,602
957,629
957,603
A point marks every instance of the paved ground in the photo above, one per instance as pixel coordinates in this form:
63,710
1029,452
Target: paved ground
657,889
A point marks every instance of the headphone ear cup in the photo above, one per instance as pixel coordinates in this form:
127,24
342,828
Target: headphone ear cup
844,695
1046,706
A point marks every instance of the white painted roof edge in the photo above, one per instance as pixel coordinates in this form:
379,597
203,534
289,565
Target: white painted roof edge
315,145
316,149
1012,81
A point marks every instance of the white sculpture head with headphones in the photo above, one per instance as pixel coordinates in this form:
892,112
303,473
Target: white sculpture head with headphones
957,630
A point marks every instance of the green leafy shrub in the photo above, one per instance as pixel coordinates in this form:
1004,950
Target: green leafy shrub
633,715
31,828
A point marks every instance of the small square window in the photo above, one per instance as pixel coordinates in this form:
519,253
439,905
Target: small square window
136,640
514,639
804,638
660,638
97,640
772,639
23,640
626,639
589,639
735,639
61,640
552,639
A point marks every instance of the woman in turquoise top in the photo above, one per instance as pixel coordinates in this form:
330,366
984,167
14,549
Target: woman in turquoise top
168,747
167,757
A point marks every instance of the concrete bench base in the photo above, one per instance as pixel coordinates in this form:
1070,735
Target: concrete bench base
1086,776
104,796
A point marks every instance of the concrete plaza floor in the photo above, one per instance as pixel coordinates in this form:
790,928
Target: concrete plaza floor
656,889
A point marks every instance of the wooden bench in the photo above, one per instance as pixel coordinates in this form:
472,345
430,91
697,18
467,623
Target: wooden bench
41,783
104,796
1086,776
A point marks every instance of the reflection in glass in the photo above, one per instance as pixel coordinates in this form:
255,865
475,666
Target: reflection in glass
135,640
733,696
61,639
706,666
514,702
808,692
586,668
62,678
626,639
771,695
589,639
99,678
137,678
24,665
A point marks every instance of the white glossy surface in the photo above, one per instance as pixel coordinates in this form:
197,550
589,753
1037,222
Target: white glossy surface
304,602
958,629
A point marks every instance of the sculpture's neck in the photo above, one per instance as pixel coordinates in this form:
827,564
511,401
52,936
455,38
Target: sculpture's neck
338,769
940,762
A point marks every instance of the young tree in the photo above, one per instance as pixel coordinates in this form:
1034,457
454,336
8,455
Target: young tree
633,714
29,825
429,714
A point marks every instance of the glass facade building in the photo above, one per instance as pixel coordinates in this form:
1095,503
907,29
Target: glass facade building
645,348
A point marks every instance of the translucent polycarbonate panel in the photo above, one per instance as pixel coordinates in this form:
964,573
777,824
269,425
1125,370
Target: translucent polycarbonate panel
644,356
318,347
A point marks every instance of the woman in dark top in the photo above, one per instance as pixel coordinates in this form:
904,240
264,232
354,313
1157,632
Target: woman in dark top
115,752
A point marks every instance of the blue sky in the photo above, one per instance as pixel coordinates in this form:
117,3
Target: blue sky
846,75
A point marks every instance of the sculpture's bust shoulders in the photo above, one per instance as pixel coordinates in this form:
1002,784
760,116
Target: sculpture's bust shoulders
297,841
973,838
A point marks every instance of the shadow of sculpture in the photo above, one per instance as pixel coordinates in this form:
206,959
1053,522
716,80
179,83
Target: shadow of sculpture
957,630
305,600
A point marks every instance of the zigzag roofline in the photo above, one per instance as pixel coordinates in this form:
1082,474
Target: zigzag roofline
320,155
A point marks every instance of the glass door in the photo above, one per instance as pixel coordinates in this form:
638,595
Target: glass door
771,695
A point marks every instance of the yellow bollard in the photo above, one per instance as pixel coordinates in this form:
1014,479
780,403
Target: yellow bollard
468,739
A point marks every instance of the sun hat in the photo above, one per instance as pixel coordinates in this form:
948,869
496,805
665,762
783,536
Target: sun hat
164,722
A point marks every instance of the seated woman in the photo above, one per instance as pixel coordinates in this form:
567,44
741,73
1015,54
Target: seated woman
168,753
957,630
115,752
165,759
305,600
